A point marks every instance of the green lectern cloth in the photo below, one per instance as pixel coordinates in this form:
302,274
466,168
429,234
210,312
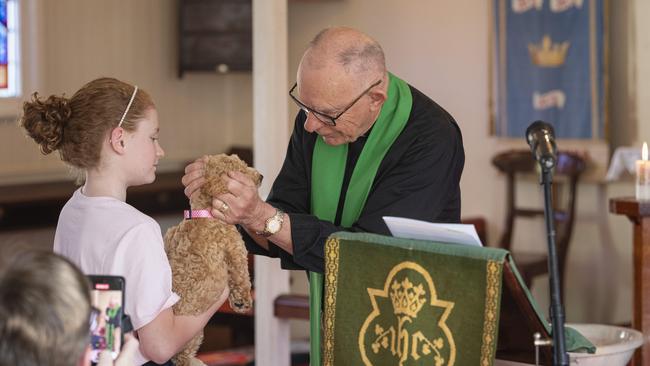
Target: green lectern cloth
392,301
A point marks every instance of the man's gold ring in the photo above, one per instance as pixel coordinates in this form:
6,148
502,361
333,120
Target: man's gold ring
224,207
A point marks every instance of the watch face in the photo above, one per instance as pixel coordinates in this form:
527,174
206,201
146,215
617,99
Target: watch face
274,226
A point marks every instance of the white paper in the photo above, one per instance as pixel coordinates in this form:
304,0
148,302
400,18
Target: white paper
401,227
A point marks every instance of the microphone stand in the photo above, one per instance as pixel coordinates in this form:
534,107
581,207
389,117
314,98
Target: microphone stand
560,357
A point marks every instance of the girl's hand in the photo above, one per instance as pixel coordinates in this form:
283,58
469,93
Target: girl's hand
193,178
126,356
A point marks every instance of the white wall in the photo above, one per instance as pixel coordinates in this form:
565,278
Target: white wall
642,53
270,44
623,75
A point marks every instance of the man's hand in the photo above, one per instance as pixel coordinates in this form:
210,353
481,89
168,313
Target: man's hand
243,204
193,178
127,353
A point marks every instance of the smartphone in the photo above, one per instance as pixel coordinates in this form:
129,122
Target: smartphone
107,309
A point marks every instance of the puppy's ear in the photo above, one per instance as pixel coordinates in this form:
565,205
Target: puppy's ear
255,176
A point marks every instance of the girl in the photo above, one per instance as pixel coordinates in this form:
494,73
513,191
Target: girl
109,130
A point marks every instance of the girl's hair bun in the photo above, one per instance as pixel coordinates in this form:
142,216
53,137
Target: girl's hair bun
45,120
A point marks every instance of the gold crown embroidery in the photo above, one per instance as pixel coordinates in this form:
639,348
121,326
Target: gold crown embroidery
547,53
407,299
403,336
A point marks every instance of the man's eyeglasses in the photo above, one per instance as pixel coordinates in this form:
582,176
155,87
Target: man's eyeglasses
323,117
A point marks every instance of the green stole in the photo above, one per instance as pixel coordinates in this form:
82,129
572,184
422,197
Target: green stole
328,168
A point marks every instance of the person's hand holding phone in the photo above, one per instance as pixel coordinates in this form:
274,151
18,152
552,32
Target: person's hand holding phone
126,356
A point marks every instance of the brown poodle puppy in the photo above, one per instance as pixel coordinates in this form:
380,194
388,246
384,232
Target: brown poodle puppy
205,253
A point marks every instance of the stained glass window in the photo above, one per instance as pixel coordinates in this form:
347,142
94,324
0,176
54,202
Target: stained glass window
9,50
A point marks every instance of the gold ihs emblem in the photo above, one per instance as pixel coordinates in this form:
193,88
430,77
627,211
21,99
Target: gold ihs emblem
410,328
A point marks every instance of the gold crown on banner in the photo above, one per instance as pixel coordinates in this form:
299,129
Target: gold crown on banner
547,53
407,298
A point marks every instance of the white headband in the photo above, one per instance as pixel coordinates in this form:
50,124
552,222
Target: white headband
128,106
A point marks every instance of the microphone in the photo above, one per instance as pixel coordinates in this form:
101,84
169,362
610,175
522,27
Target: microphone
541,139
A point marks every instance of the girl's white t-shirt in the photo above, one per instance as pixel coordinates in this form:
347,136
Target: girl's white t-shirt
105,236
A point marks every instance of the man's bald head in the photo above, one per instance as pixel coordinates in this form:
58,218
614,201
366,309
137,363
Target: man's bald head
347,49
342,76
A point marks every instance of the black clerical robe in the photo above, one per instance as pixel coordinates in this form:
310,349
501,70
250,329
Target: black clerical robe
418,178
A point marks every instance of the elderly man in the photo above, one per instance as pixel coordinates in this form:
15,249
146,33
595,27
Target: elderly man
365,145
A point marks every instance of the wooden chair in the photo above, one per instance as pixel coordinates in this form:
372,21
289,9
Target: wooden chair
568,169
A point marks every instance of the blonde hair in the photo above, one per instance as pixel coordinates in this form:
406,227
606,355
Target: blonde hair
44,310
77,126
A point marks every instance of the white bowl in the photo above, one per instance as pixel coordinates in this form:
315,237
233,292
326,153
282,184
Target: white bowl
614,345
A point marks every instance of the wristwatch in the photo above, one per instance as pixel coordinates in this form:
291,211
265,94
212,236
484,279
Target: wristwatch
273,224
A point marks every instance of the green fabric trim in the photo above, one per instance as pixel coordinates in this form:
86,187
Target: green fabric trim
328,168
392,119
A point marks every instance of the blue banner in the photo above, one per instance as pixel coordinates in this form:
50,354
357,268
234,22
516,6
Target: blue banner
549,66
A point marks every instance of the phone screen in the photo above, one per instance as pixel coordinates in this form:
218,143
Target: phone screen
107,299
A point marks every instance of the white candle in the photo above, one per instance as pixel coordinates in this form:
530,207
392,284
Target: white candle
643,175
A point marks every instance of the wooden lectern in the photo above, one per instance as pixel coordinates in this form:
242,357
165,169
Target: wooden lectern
639,213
